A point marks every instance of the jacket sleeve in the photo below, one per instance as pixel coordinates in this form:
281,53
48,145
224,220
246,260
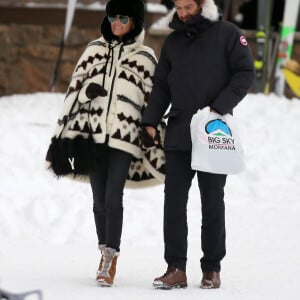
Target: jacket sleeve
159,99
76,82
241,65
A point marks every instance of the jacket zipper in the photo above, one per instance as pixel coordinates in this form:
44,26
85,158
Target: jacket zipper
112,84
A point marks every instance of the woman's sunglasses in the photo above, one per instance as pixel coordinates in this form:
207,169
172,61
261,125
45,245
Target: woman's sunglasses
123,19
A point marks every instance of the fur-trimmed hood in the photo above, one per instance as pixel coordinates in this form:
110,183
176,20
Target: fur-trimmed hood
208,14
210,10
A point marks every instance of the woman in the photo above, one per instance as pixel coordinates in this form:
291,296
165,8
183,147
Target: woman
104,103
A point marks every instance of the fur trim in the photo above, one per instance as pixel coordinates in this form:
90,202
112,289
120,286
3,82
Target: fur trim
101,247
210,10
128,185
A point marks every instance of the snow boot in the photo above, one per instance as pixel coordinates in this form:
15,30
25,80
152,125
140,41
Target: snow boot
210,280
107,267
173,278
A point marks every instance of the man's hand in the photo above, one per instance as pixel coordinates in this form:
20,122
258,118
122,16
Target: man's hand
149,136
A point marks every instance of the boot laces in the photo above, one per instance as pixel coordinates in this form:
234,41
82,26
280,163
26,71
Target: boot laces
107,260
170,271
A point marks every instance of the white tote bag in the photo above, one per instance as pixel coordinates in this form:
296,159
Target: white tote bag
216,145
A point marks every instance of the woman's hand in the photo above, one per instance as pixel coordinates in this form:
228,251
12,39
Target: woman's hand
149,136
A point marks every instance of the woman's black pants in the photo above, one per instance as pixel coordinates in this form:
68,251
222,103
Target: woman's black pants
108,179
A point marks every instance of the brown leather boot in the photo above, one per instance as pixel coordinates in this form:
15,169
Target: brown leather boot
107,267
173,278
210,280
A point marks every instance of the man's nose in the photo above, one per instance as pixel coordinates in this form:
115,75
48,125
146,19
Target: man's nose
183,13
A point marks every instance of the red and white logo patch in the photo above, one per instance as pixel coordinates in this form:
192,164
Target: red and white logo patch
243,40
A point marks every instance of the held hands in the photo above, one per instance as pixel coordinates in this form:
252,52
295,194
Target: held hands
149,136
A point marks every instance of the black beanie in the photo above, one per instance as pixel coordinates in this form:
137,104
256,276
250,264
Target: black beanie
131,8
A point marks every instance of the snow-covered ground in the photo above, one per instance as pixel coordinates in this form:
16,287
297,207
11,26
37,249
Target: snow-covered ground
47,235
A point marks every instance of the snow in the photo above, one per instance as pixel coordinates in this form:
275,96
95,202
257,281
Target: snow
47,233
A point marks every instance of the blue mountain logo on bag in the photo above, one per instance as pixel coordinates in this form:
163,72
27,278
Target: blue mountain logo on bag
219,135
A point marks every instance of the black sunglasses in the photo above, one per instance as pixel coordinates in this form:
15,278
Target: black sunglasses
21,296
123,19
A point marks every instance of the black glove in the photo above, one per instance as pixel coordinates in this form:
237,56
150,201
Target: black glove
146,138
94,90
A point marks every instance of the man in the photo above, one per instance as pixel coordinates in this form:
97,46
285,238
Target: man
204,62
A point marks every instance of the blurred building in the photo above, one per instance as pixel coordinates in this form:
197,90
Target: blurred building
31,32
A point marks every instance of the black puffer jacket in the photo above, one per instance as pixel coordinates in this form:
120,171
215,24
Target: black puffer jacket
204,62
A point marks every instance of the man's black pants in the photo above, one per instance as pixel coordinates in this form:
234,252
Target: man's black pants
178,181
